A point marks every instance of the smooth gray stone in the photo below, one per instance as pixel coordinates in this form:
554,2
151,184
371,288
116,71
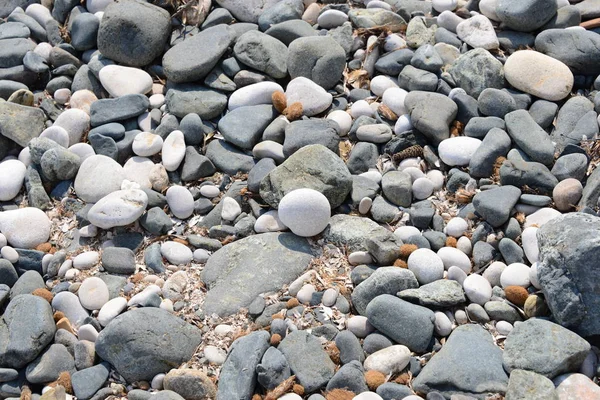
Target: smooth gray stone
183,99
228,158
104,111
532,174
318,58
495,205
385,280
578,49
530,137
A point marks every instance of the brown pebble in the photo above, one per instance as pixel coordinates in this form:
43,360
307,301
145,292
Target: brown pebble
294,111
291,303
407,249
58,316
64,380
451,241
275,339
535,306
277,316
257,397
403,378
45,247
400,264
298,389
65,324
340,394
44,294
333,352
374,379
279,101
516,295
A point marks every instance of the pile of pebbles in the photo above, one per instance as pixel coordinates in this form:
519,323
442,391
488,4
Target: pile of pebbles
292,199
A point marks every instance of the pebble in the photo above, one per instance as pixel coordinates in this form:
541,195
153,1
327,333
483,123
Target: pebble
444,5
458,151
10,254
388,361
146,144
120,81
120,208
452,256
214,355
269,222
394,97
16,225
478,289
181,201
359,326
57,134
456,227
478,31
422,188
343,119
111,309
530,244
361,108
12,175
252,95
209,191
176,253
330,19
515,274
314,98
93,293
426,265
567,193
86,260
305,211
503,327
173,150
231,209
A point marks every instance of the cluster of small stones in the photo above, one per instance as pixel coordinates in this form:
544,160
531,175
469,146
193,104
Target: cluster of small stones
299,199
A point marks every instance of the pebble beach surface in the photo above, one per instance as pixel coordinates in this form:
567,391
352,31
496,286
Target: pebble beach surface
299,199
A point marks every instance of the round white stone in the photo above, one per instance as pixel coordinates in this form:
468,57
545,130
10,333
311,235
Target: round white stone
62,96
533,276
403,124
173,150
97,177
269,149
451,256
252,95
456,274
478,32
269,222
120,81
422,188
305,211
426,265
12,175
111,309
442,324
449,20
457,151
157,100
365,205
493,272
181,201
25,156
56,134
516,274
360,108
503,327
93,293
330,19
16,226
488,8
214,355
305,294
477,289
359,257
444,5
388,361
83,150
209,191
87,332
406,232
82,99
329,297
119,208
147,144
464,245
343,119
456,227
141,297
530,243
541,216
314,98
231,209
76,122
381,83
359,326
86,260
414,172
201,256
139,170
176,253
10,254
393,98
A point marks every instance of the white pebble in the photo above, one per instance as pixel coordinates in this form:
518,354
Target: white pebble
515,274
231,209
86,260
269,222
456,227
360,257
503,327
359,326
305,294
209,191
365,205
477,289
9,254
87,332
360,108
442,324
422,188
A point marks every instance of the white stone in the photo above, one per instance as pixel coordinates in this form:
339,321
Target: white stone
138,170
16,226
515,274
214,355
64,267
343,119
181,201
76,122
290,396
359,326
442,324
305,294
414,172
93,293
83,150
488,8
456,227
381,83
477,289
393,98
530,243
173,150
176,253
10,254
25,156
403,124
305,211
111,309
360,108
330,297
209,191
388,361
120,208
147,144
426,265
3,240
539,75
145,122
252,95
365,205
456,274
451,256
120,81
372,174
447,52
95,6
82,99
367,396
457,151
422,188
157,381
87,332
393,42
406,232
444,5
12,175
43,49
360,257
269,222
533,276
540,217
97,177
57,134
40,13
62,96
269,149
464,245
141,297
478,32
456,91
157,100
449,20
86,260
503,327
71,274
231,209
201,256
493,272
330,19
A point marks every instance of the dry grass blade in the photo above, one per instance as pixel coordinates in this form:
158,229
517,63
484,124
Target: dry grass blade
283,388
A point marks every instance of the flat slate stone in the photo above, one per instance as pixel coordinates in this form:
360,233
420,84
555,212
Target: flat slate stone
234,279
21,123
